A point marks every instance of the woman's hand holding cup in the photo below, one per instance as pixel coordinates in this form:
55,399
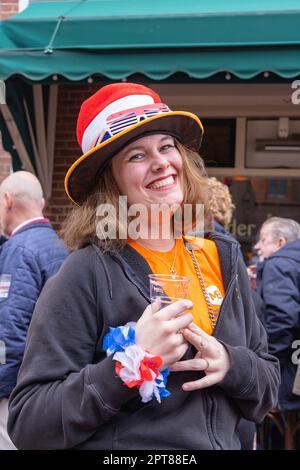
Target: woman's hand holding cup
158,330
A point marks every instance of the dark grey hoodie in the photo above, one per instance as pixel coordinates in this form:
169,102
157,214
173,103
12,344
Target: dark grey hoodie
68,395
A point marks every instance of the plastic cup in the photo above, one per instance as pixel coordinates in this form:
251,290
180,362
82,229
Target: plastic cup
168,288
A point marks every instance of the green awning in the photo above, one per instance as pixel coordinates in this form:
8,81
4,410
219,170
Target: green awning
117,38
27,126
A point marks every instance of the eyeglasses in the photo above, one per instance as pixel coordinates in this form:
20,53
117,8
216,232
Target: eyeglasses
117,122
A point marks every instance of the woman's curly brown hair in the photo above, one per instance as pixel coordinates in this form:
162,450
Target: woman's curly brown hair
220,202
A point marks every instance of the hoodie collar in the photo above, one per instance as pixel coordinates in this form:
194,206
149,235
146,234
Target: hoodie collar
290,250
137,269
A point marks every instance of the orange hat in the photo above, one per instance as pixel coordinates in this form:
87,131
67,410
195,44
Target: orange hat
111,118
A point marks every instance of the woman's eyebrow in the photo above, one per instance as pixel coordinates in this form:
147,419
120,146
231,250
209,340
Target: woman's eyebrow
141,147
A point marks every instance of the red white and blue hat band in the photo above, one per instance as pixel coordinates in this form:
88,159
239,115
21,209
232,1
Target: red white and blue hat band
118,116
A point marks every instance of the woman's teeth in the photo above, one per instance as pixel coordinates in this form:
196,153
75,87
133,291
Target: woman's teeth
161,183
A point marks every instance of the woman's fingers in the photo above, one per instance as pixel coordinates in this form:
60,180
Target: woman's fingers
195,329
212,358
150,310
202,342
190,364
158,330
178,352
182,349
174,309
154,306
179,323
206,381
176,322
197,364
179,339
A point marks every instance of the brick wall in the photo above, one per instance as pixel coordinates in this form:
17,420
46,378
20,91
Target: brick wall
8,8
5,163
67,150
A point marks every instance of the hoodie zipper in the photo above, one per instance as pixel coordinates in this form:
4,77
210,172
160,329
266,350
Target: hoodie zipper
209,419
130,277
210,400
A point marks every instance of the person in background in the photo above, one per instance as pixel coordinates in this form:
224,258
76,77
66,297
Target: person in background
31,255
124,373
220,206
278,283
2,237
220,212
296,387
219,215
252,270
252,264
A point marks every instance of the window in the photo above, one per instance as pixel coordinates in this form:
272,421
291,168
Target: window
218,147
257,199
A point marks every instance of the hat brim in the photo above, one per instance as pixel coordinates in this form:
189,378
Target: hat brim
83,175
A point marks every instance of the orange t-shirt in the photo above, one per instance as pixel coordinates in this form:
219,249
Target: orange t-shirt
208,260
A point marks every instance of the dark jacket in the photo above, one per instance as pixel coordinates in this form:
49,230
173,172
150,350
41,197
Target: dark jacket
220,229
68,395
27,260
3,239
258,303
278,282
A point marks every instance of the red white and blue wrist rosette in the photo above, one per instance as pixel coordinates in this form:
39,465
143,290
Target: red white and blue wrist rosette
134,366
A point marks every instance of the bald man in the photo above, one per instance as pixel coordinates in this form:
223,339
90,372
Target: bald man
32,253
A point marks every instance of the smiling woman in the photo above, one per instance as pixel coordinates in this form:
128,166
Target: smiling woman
113,355
150,171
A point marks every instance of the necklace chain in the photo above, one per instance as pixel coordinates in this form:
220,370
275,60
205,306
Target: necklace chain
203,288
199,275
170,266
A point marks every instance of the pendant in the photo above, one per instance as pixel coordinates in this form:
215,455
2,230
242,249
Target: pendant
173,272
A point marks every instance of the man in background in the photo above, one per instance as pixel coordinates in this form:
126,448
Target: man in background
28,258
220,211
278,283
